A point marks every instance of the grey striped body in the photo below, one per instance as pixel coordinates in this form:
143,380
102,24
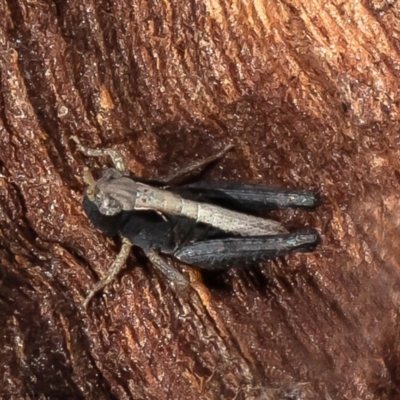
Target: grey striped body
116,193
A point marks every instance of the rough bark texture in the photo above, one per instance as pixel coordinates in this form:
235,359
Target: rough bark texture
309,95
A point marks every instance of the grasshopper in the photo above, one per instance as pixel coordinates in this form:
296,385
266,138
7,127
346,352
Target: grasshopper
208,225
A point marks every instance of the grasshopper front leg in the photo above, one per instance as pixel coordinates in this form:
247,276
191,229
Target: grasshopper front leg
116,157
116,267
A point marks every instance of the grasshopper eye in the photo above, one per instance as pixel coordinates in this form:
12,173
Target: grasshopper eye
109,207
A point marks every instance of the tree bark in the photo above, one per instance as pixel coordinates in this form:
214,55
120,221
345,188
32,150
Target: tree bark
308,92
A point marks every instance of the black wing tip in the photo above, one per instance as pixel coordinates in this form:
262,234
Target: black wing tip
317,199
309,200
305,240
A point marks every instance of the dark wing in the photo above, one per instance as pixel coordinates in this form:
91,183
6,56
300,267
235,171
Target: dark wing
242,197
220,254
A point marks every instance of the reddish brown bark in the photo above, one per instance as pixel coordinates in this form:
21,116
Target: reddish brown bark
309,95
